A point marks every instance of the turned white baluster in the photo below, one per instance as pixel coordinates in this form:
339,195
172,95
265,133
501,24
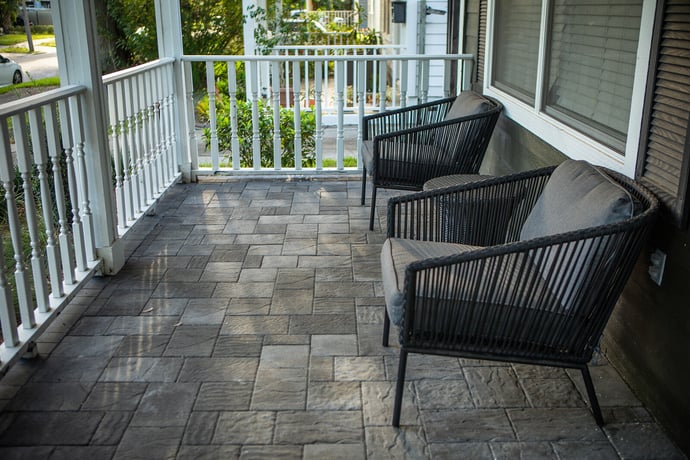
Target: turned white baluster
21,277
8,318
275,101
38,137
117,158
55,152
318,135
82,178
256,134
25,166
297,91
211,92
340,99
70,162
234,137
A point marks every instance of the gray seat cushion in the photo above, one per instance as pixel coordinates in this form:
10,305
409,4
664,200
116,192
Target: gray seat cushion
497,285
468,103
396,255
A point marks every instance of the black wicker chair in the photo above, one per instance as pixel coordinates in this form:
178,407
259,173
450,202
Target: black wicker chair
467,273
404,148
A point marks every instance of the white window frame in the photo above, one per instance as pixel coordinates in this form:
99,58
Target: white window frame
566,139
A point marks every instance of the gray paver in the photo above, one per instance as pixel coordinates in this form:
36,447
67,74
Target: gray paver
247,324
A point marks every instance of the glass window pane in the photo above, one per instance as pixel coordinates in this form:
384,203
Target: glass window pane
591,66
516,47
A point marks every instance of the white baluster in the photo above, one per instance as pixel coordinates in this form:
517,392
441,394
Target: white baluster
296,91
171,125
141,139
189,114
157,137
166,124
234,137
52,250
82,178
383,83
256,134
149,133
121,123
77,224
340,90
211,92
130,119
318,135
21,277
403,82
117,159
275,100
361,67
55,152
25,168
8,318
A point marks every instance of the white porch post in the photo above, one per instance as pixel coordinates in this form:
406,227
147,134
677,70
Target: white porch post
77,52
169,31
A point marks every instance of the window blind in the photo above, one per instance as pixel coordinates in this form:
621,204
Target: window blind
591,66
516,47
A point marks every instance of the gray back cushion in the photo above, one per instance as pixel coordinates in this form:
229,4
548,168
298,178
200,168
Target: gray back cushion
577,196
468,103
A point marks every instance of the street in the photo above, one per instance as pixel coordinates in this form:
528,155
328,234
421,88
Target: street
42,64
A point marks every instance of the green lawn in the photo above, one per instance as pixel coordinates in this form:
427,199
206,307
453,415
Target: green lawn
13,39
52,81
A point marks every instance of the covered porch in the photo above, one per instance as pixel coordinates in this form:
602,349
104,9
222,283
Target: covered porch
246,323
241,315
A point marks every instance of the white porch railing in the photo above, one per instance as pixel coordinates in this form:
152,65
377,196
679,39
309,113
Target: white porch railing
45,186
142,105
336,89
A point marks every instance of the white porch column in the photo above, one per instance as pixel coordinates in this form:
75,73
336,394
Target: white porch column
77,52
169,31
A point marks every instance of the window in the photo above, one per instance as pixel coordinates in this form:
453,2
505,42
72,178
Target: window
517,42
568,71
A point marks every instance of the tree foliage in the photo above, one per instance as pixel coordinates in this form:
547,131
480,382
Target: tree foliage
8,13
128,29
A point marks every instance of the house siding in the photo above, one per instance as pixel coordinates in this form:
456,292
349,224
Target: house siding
648,336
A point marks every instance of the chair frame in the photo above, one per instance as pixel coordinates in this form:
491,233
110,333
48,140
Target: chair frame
526,335
458,145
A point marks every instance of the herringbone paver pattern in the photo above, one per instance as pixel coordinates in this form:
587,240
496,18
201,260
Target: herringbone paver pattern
247,324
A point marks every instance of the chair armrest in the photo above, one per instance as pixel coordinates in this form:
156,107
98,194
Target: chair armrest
406,117
483,213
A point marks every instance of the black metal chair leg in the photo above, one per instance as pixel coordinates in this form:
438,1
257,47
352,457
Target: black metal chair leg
386,326
596,410
364,184
399,387
373,207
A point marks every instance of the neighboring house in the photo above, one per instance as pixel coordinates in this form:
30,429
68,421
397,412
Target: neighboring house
39,13
422,28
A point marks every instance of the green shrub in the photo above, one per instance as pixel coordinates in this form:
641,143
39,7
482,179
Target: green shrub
245,133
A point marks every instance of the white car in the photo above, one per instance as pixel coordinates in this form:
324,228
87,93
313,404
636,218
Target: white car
10,72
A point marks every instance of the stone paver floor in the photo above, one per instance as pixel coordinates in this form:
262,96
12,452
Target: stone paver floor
247,324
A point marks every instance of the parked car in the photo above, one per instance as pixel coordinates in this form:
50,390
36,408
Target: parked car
10,72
